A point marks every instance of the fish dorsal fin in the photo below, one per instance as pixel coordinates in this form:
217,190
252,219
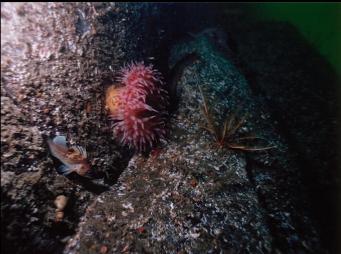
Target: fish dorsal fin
60,140
80,150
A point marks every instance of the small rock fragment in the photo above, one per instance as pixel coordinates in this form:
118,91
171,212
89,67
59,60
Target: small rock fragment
59,216
103,249
193,183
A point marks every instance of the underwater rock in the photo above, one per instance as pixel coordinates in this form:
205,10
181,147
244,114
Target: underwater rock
56,61
191,196
188,195
301,90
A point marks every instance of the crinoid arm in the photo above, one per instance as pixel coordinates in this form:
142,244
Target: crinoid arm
225,135
211,127
246,148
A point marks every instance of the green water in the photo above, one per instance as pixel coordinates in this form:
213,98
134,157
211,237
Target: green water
320,23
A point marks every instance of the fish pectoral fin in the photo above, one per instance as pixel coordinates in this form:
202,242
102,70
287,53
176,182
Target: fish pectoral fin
60,140
64,170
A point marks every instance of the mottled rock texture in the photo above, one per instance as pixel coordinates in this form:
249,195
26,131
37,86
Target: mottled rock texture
192,196
56,61
188,195
302,91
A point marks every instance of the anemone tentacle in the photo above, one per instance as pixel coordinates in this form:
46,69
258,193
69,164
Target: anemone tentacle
138,106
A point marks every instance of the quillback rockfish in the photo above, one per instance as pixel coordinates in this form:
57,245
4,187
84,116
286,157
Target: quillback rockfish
74,158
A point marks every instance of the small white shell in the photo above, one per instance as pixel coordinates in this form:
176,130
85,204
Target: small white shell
60,202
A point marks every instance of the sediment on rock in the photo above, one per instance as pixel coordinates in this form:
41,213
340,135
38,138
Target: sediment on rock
188,195
301,90
56,61
193,196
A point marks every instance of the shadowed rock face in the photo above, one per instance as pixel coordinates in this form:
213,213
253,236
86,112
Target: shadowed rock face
301,89
56,61
193,197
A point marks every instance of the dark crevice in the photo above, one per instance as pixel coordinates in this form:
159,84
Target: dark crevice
174,76
262,202
321,197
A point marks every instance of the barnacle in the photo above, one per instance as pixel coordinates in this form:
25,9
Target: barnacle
226,135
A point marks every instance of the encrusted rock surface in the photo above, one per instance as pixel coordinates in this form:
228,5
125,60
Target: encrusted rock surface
56,61
186,196
302,92
191,196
